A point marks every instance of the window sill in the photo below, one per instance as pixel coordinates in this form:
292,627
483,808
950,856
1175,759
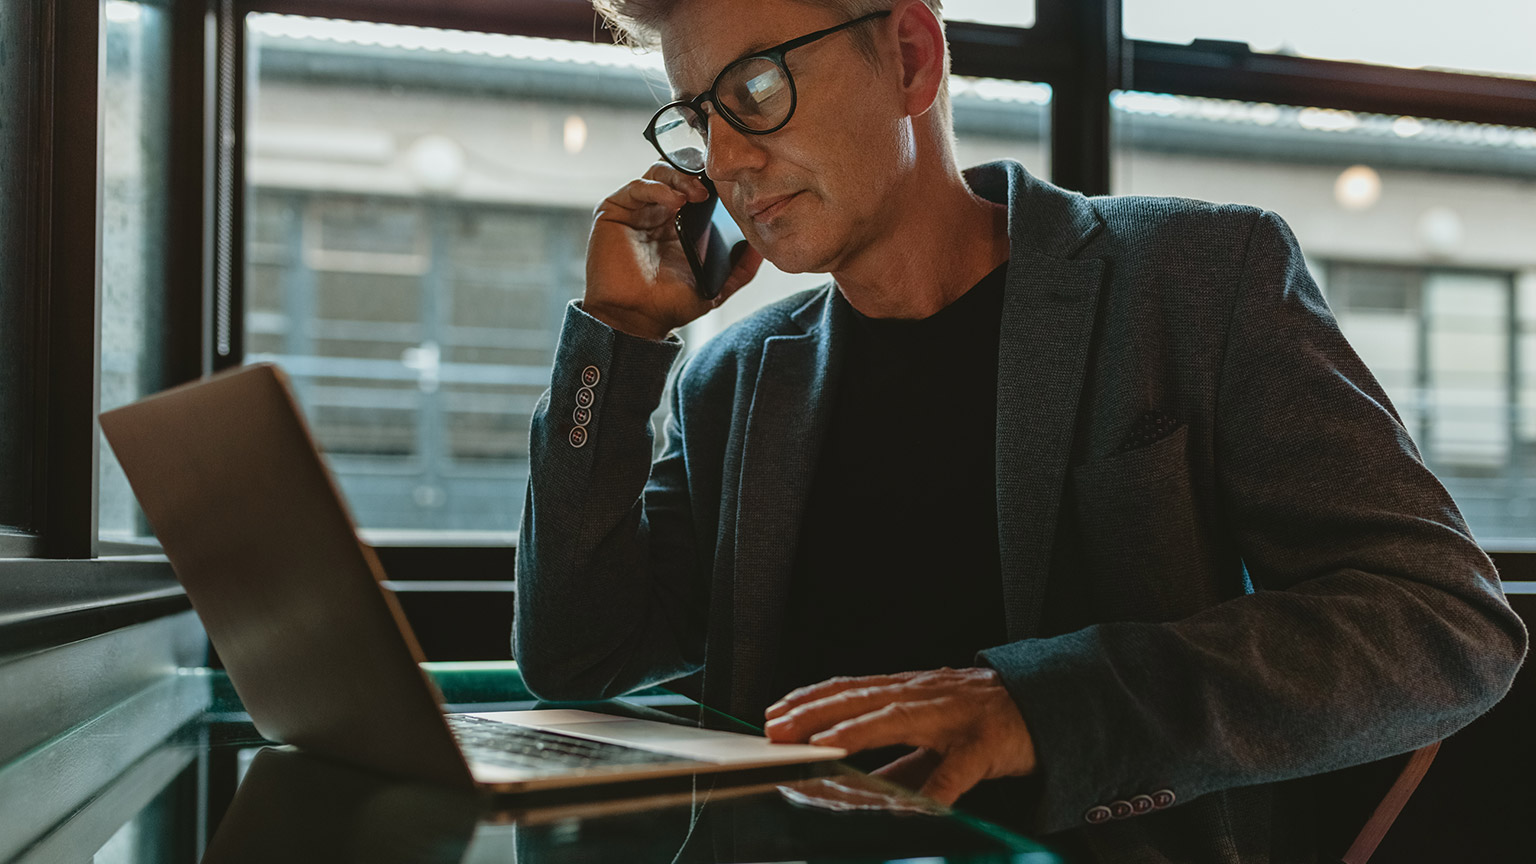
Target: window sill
49,602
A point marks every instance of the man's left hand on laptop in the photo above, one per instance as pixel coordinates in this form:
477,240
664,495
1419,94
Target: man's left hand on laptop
965,716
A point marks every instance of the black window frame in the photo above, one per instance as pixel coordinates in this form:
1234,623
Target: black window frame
58,581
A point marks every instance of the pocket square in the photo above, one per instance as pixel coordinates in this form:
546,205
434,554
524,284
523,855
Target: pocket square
1151,427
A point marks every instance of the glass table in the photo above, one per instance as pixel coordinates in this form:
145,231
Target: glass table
176,772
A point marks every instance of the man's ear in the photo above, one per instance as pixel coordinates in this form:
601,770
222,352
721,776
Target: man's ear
920,39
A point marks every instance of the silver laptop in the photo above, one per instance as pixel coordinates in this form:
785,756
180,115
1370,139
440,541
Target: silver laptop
317,649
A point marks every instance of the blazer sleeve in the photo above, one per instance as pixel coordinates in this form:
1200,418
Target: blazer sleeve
1377,625
609,598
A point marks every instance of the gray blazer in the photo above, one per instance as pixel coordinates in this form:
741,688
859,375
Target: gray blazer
1279,588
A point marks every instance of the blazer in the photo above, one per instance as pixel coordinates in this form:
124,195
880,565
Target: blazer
1268,586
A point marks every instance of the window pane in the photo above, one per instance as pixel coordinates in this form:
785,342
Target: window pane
1419,233
1014,13
419,206
135,131
1489,36
18,132
420,203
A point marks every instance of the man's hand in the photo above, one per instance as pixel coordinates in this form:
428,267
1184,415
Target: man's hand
963,721
638,278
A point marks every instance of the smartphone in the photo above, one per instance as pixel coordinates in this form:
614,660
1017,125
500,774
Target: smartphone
711,241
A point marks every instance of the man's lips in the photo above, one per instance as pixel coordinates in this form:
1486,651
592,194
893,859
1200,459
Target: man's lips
768,206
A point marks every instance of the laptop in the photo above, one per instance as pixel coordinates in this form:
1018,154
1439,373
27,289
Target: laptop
230,479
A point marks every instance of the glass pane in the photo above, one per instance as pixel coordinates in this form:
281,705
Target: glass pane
18,236
1489,36
135,131
420,202
1014,13
419,206
1418,231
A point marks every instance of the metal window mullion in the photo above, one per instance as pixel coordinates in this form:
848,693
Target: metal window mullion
186,336
228,175
1229,71
1080,109
434,446
1425,373
1515,473
69,280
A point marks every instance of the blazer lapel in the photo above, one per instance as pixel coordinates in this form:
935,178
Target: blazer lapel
1049,309
791,403
1048,317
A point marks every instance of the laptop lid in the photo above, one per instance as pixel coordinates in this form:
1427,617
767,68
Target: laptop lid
233,485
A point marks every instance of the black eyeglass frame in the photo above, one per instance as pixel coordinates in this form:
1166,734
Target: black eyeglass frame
774,55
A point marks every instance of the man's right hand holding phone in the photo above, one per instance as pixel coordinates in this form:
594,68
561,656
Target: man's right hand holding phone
638,278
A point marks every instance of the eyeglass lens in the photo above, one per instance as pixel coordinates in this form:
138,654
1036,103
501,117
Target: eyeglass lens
754,92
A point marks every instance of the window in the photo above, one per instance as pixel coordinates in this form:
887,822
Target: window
418,337
1418,232
416,202
1415,33
1442,343
1012,13
418,209
135,129
18,104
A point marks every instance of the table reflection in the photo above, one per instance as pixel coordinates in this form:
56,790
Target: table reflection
294,807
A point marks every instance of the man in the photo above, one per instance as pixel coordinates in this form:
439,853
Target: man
1095,483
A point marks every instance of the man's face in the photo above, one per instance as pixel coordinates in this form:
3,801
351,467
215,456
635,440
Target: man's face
842,151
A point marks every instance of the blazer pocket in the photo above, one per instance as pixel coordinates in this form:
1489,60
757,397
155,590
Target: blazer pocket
1138,532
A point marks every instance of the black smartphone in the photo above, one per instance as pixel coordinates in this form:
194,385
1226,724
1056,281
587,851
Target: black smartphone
711,241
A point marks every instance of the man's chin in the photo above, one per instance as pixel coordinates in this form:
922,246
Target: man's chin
790,256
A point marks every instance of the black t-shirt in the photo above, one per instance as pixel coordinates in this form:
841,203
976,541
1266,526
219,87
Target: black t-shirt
897,566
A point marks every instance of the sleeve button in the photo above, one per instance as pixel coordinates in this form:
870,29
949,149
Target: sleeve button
1163,798
582,416
585,397
1096,815
1120,809
579,436
590,376
1142,803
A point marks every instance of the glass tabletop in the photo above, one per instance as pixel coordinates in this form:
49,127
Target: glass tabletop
177,772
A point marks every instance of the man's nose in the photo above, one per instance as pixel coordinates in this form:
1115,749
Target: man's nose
731,152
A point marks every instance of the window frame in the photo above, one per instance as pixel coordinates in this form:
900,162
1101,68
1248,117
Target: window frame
58,581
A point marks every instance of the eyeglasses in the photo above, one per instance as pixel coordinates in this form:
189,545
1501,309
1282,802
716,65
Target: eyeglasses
754,94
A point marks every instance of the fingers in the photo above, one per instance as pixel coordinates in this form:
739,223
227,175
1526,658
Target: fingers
911,770
916,723
950,770
652,200
813,717
811,693
643,204
688,184
956,775
853,793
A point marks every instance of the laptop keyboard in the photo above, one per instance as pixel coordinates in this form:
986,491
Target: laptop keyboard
512,746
